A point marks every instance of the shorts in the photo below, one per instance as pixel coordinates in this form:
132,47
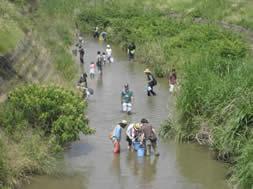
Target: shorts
126,107
172,87
92,71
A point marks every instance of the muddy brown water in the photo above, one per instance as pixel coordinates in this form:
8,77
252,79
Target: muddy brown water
90,164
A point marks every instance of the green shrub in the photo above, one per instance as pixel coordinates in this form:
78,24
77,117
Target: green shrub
166,130
56,111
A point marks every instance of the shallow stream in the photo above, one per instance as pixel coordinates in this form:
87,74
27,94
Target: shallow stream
90,163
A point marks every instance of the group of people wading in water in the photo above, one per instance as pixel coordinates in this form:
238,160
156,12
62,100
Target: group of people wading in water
140,134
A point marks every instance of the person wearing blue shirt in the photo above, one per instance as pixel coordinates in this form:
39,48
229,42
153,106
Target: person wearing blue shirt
118,129
116,135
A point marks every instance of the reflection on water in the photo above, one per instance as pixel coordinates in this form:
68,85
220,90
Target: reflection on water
63,182
180,166
116,165
196,165
99,81
149,169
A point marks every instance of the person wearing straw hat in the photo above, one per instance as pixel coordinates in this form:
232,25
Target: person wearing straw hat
132,133
151,82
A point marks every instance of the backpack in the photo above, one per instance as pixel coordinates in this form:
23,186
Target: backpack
154,81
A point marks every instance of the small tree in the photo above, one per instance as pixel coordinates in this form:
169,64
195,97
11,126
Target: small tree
53,109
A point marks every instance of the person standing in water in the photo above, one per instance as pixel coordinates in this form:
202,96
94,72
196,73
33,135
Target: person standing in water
99,62
151,82
148,137
132,134
82,85
131,51
103,35
109,53
126,99
83,80
96,33
104,58
92,70
81,53
172,80
116,135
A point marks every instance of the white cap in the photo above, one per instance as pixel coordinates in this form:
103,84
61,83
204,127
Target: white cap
108,46
123,121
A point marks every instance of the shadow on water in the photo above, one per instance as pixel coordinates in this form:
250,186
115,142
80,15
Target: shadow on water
180,166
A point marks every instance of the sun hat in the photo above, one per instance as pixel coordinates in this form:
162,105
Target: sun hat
137,126
123,122
147,70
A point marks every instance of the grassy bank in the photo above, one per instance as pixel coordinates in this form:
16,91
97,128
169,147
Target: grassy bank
214,66
239,12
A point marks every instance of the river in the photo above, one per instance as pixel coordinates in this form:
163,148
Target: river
90,164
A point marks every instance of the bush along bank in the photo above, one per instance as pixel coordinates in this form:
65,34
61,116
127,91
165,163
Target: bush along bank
215,98
36,122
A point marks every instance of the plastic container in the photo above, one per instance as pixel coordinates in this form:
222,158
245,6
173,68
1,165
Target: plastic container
136,145
141,152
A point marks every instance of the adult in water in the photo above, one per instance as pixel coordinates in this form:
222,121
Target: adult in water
151,82
132,134
96,33
109,53
127,99
99,62
116,135
131,51
83,80
148,137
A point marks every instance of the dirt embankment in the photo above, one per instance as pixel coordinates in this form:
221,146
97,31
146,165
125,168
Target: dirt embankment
29,62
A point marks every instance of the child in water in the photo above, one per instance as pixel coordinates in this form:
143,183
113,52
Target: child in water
104,58
92,70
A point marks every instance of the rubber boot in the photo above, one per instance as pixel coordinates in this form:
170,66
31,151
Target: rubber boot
148,149
155,150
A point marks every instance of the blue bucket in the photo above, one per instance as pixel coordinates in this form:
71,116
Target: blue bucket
141,152
136,145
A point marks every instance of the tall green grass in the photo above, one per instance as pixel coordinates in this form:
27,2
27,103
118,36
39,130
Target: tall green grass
230,11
